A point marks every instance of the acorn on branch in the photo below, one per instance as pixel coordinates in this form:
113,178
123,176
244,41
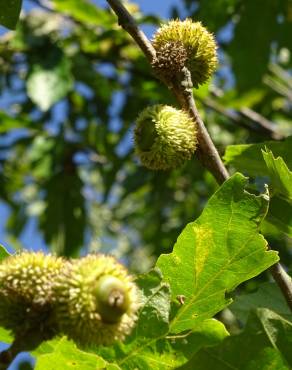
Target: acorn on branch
96,300
26,288
164,137
185,43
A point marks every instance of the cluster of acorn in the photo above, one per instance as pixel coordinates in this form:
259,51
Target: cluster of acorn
166,137
93,300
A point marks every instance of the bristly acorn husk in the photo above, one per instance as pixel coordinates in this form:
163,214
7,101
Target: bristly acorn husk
96,301
164,137
199,46
26,282
170,59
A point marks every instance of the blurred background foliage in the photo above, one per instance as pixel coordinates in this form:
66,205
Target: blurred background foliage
72,83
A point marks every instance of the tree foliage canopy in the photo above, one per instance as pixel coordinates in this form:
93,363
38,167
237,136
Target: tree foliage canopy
72,84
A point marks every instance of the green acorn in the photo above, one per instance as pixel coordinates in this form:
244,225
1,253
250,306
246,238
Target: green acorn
96,300
26,282
165,137
198,44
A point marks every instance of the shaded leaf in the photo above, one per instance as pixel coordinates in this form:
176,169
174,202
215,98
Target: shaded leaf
16,220
280,214
9,12
156,306
9,123
217,252
63,221
265,331
267,296
280,175
216,13
267,359
41,156
285,27
250,60
248,158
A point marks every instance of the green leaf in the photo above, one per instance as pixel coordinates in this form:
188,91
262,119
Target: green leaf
112,367
217,252
41,156
47,84
5,336
9,123
280,214
267,296
216,13
206,334
280,175
84,11
156,306
250,51
265,330
267,359
9,12
63,221
149,345
3,253
47,346
248,158
65,355
172,351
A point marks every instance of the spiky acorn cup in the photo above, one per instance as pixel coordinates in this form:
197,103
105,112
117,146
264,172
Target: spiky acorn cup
185,43
26,281
96,301
165,137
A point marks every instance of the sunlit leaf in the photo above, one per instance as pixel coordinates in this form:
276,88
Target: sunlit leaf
65,355
5,336
83,11
217,252
48,84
